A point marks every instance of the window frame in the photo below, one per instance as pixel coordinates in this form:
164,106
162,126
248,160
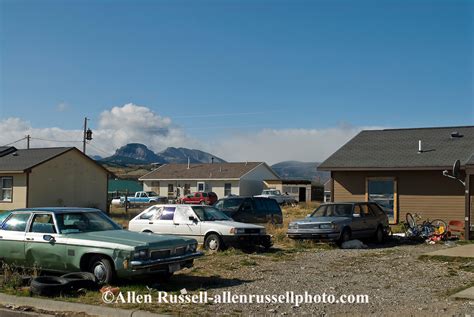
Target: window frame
227,191
32,220
2,189
395,195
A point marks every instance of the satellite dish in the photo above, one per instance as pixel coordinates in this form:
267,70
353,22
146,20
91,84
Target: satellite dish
456,168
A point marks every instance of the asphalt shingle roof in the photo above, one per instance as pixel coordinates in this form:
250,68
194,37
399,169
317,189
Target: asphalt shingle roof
21,160
201,171
398,148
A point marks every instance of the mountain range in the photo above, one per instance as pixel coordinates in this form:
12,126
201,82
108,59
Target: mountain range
134,154
140,154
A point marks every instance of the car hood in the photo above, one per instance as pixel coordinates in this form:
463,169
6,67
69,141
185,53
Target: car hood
322,219
231,224
128,239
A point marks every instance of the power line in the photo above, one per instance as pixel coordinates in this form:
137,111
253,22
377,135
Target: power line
15,141
50,140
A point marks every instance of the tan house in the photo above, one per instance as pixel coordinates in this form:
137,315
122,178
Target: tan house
299,189
177,180
49,177
402,169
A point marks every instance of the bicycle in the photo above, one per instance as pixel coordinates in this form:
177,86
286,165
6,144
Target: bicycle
426,230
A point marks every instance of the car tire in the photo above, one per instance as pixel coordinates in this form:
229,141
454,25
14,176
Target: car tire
345,235
48,285
78,280
213,243
267,245
102,268
164,277
379,235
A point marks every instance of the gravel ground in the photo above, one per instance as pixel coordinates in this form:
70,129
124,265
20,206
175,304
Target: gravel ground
396,281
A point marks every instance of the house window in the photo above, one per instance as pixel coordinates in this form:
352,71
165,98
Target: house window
201,186
155,184
187,189
227,189
384,192
6,188
170,189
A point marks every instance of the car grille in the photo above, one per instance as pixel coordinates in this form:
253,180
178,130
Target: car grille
160,254
250,231
180,251
308,226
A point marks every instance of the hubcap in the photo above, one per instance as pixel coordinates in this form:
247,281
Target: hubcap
213,244
100,272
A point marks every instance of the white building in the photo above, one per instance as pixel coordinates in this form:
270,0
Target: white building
177,180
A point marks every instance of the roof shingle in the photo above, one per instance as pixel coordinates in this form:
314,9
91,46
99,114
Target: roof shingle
398,148
21,160
201,171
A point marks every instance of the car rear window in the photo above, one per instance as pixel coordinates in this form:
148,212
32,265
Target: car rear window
376,209
232,203
263,204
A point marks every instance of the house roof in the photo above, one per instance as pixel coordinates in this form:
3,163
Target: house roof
20,160
398,149
201,171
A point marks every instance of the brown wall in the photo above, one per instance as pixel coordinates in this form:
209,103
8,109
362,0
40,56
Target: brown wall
427,193
68,180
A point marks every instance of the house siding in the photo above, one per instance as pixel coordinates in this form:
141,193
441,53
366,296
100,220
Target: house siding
68,180
19,192
216,186
427,193
252,182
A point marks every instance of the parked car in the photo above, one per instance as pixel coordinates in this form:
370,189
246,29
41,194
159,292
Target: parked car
82,239
209,226
141,198
342,222
251,209
200,198
279,197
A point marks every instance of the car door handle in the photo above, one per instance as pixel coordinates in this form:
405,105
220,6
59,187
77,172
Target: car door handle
150,223
29,239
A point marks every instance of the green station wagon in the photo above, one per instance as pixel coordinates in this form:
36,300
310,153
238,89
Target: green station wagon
82,239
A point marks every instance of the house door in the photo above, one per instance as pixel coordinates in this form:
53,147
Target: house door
302,194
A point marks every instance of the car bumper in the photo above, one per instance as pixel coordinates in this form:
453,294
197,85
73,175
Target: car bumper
316,235
247,240
174,263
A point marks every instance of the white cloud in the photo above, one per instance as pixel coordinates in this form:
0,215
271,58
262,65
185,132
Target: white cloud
136,124
61,107
276,145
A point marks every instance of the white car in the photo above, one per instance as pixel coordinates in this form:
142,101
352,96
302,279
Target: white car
208,225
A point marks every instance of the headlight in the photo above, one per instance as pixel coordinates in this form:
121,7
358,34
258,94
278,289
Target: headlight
192,247
293,225
327,226
237,230
140,254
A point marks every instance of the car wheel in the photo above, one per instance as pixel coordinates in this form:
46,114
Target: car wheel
345,236
213,243
102,269
379,235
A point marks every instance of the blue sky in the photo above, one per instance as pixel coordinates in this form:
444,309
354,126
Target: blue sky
222,68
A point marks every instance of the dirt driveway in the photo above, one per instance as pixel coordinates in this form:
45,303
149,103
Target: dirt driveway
396,281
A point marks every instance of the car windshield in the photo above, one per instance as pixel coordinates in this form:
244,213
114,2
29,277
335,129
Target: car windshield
206,213
341,210
80,222
4,216
151,194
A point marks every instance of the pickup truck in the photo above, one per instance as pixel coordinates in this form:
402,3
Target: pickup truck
200,198
141,198
278,196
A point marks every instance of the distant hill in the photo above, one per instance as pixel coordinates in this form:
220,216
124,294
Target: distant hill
139,154
300,170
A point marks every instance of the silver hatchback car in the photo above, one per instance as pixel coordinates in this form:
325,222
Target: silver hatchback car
342,222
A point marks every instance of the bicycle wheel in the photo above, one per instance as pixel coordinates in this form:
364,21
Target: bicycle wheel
440,227
410,221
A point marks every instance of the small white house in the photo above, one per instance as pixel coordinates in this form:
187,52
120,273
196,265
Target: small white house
177,180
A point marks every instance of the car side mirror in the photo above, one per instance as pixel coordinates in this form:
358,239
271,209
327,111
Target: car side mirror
308,215
49,238
192,218
356,215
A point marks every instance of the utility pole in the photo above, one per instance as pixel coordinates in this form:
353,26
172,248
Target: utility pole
28,137
87,136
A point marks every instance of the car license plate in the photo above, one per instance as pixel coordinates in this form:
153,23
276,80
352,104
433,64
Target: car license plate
174,267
